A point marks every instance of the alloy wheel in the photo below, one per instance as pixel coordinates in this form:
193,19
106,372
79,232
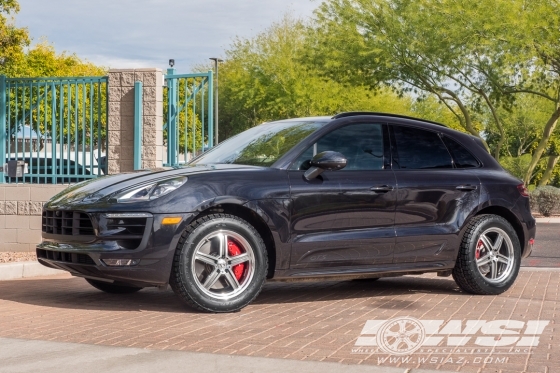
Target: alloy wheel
223,264
494,255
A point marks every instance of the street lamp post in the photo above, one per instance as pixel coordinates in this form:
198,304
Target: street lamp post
216,61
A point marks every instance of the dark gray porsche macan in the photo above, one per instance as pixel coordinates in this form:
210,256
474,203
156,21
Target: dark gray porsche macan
359,195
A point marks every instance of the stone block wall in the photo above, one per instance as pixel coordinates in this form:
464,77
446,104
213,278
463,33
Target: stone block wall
20,214
121,119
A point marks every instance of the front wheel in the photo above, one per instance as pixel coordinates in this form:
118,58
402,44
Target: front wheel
489,257
220,264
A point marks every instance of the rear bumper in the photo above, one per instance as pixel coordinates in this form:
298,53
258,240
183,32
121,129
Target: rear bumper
152,260
530,232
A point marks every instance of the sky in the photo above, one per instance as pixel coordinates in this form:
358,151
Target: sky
147,33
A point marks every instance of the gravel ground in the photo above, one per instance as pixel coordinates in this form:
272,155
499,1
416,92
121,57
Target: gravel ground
16,257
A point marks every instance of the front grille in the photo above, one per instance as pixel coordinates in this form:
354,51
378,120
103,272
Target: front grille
65,257
67,223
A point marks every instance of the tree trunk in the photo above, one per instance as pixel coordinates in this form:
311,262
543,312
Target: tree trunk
548,129
552,161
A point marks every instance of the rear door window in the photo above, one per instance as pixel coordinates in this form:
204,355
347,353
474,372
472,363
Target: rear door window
418,149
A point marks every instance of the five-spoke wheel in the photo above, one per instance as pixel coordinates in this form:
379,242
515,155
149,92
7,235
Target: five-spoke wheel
224,264
220,264
494,255
489,256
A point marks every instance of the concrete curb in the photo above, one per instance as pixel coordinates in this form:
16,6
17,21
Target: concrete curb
548,220
15,270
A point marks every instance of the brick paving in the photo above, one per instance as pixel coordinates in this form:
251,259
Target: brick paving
304,321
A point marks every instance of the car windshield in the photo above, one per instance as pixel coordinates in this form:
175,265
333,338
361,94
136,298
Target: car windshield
261,145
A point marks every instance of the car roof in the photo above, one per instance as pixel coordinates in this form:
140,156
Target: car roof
348,114
380,114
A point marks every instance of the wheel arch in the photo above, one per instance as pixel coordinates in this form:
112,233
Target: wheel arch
235,207
509,216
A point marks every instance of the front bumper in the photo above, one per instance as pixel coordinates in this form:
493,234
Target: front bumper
151,253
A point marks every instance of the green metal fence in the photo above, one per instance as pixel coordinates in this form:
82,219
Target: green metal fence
55,127
189,115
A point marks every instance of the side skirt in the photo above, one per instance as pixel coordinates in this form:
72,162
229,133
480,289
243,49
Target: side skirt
348,273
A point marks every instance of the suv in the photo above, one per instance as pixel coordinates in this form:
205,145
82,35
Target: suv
358,195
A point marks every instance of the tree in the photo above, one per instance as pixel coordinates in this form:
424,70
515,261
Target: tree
425,47
13,40
539,49
42,61
266,78
476,57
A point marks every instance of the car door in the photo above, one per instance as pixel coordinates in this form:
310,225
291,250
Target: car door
434,195
345,217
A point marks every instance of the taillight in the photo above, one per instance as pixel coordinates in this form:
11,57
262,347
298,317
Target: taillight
523,190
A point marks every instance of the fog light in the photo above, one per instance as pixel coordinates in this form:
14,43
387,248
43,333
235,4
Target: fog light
171,221
121,262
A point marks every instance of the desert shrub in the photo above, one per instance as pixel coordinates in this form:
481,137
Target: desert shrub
545,199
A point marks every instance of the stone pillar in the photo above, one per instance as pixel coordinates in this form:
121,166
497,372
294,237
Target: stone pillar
120,155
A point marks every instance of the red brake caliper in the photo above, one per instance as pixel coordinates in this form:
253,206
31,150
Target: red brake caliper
234,250
479,247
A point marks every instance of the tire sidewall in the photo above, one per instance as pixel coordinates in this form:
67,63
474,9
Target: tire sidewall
187,253
493,222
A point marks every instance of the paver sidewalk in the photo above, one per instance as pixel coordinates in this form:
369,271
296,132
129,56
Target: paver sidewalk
26,356
295,321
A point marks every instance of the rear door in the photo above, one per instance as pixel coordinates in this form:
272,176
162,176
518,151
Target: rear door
435,195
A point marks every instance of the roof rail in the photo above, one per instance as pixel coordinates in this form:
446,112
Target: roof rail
355,113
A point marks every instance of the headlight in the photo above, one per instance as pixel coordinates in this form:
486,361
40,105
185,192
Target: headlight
151,191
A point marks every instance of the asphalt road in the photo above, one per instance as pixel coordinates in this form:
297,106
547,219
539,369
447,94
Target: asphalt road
546,252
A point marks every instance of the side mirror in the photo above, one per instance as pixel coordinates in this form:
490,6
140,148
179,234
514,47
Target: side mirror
325,161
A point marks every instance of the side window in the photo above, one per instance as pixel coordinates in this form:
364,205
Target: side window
361,144
418,149
461,156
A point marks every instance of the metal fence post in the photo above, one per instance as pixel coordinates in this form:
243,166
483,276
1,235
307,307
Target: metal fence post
3,137
138,110
171,118
210,109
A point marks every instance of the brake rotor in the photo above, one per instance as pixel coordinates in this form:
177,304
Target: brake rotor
234,250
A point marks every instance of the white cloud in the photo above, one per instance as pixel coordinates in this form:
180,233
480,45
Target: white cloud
146,33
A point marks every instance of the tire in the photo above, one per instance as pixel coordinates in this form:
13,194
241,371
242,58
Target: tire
113,288
482,267
204,273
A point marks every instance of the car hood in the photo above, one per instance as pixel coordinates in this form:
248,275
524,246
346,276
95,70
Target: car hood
99,188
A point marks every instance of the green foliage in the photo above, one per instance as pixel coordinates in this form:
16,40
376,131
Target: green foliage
517,166
13,40
422,47
42,60
267,78
80,109
476,57
546,199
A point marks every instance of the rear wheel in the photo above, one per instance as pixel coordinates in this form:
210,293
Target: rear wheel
489,257
113,288
220,264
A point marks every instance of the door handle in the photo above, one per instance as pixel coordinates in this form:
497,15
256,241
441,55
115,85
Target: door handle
466,188
382,188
